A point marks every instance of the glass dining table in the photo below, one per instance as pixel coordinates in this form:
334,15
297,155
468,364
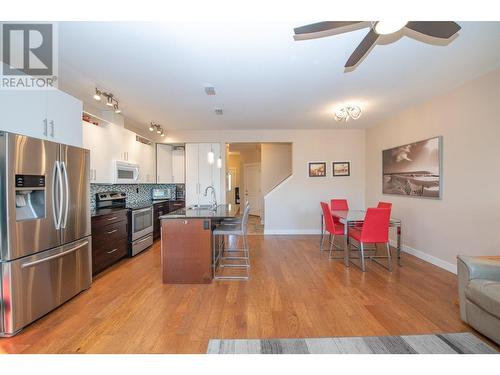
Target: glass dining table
351,218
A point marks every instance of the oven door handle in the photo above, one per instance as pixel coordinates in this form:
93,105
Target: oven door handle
143,239
141,210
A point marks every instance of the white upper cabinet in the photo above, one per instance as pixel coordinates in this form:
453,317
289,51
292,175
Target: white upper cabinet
64,114
144,155
164,173
192,188
200,173
48,114
96,139
170,164
108,143
178,165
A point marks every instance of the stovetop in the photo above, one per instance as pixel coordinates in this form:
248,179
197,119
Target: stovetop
138,205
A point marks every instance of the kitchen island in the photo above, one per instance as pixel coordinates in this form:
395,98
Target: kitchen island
186,243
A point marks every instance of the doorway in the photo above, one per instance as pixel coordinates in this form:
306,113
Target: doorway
243,181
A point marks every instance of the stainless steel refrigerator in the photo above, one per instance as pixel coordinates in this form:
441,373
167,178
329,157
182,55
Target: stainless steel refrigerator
45,243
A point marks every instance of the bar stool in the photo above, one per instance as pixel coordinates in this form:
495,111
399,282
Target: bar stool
224,258
234,220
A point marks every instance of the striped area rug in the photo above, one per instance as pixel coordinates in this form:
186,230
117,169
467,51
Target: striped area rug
448,343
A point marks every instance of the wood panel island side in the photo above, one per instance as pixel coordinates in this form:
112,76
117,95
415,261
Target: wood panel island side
187,243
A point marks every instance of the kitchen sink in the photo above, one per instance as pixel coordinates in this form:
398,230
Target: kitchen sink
201,207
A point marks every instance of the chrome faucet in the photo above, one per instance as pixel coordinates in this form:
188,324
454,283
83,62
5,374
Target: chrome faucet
214,198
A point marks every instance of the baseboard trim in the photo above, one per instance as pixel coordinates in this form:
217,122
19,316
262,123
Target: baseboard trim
291,232
428,258
407,249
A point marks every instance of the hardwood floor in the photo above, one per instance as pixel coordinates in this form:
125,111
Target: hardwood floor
292,292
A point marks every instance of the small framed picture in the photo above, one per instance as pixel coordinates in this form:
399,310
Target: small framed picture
317,169
341,168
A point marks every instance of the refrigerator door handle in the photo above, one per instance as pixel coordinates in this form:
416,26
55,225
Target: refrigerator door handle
61,197
57,198
66,194
72,250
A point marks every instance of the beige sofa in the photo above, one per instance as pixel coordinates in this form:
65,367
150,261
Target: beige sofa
479,292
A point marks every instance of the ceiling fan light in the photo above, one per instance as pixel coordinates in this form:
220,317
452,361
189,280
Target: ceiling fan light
389,27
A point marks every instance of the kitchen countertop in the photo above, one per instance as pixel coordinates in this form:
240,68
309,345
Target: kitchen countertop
106,211
222,211
140,204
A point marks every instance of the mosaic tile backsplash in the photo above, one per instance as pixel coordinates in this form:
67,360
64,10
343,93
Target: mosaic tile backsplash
135,192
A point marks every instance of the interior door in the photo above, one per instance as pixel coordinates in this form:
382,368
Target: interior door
252,187
25,156
76,208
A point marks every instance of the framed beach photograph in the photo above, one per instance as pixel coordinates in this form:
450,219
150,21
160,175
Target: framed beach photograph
413,169
317,169
341,168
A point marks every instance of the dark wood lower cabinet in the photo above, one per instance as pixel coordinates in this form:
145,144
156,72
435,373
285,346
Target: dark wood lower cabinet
186,251
159,209
109,240
163,208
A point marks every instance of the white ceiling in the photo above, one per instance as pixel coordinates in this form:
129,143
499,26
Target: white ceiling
263,78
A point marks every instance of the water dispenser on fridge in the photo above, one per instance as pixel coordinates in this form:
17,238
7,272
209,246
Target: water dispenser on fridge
30,197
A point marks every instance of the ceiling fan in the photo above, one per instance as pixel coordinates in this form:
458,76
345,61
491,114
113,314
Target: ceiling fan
436,29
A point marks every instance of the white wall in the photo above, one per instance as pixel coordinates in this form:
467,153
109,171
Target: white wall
467,218
294,206
276,164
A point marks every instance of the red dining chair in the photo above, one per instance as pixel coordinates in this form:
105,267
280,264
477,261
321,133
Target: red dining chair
339,205
375,230
333,228
384,205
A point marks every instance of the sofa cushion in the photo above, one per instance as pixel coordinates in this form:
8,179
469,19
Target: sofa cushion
485,294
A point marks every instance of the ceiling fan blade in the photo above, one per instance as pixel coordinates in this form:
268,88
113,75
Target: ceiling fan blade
363,48
437,29
323,26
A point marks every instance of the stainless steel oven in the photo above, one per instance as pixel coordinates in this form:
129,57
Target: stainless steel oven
141,225
142,222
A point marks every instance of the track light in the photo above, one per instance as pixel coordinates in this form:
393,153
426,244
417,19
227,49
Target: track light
110,99
97,95
155,127
109,102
